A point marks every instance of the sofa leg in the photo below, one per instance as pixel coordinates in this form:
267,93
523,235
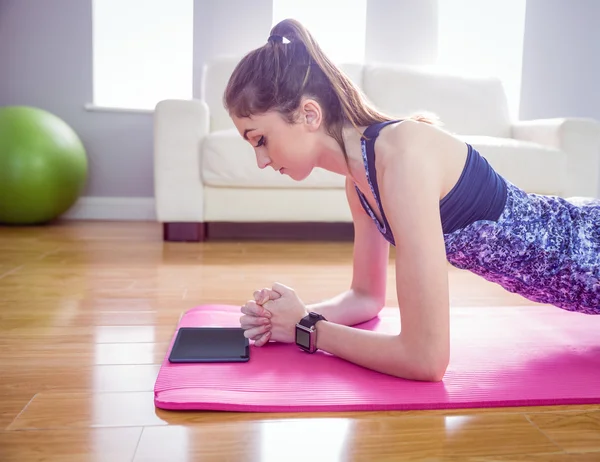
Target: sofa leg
184,232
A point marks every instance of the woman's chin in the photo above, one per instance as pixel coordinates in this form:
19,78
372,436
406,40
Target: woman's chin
295,174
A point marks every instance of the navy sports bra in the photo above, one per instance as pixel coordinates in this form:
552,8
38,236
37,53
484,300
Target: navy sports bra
479,194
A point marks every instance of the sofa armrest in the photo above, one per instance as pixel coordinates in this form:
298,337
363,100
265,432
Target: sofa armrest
179,129
579,138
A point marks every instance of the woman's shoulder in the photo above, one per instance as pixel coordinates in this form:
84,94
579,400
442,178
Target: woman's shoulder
415,146
409,133
402,139
415,136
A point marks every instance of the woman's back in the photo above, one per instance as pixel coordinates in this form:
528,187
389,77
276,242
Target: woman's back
545,248
479,193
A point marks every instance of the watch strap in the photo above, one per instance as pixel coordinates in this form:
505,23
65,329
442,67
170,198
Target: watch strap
311,319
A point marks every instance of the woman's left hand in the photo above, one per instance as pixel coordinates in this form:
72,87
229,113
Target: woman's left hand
286,311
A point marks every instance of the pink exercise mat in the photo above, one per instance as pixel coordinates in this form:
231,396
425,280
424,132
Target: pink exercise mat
501,356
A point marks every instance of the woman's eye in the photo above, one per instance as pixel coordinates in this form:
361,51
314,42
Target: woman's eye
261,142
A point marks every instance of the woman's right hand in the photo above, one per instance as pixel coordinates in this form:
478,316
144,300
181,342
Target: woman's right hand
256,319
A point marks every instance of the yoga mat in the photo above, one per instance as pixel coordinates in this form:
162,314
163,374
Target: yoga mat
500,356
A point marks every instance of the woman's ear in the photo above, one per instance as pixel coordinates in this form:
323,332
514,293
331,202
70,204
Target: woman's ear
311,113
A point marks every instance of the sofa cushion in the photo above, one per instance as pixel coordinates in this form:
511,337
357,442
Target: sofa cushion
466,105
229,160
530,166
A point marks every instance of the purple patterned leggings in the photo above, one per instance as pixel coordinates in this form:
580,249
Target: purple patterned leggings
545,248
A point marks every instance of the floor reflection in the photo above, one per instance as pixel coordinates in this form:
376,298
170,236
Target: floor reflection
124,334
300,440
455,423
173,444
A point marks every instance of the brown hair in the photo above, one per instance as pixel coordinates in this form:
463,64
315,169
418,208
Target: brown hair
277,75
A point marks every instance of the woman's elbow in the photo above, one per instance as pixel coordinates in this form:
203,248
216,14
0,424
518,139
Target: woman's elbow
433,374
430,368
423,362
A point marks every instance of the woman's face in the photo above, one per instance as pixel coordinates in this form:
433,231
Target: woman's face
290,148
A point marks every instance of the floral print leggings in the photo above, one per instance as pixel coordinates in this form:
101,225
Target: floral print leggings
545,248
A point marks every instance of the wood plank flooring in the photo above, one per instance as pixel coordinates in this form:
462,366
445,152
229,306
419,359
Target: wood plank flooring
86,313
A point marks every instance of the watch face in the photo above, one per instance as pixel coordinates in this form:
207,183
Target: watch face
303,338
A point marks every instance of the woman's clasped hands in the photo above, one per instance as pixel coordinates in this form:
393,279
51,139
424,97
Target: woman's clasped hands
272,315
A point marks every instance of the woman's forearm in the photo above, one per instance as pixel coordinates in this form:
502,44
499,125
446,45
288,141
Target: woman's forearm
348,308
386,353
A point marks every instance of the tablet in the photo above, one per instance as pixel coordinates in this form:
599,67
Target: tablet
210,345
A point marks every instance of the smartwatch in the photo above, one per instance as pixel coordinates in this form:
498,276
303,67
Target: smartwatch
306,332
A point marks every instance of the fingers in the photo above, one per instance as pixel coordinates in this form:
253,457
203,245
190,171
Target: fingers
261,296
254,309
264,295
255,320
247,321
255,331
262,339
281,289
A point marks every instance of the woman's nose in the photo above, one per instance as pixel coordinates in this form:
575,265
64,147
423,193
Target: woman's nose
262,161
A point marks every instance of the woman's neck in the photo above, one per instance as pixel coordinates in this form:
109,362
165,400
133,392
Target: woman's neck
332,157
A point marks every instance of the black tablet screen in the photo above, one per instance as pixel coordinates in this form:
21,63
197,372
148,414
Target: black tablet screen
210,344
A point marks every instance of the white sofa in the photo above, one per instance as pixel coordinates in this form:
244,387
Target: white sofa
208,186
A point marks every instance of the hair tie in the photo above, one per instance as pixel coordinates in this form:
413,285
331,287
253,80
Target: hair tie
275,39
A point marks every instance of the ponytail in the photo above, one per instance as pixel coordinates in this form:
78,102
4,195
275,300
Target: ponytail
355,108
277,75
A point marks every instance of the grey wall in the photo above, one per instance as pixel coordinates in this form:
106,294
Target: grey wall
401,31
218,31
561,63
46,61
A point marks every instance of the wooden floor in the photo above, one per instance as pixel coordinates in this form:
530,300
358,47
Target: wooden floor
87,309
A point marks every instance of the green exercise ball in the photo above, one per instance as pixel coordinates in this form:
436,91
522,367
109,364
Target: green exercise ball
43,166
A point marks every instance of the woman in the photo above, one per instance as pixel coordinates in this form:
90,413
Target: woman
409,184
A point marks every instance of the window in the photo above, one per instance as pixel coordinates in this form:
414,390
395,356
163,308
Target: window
484,38
142,52
339,26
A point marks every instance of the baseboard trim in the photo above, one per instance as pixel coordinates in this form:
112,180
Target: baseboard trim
244,231
184,232
113,208
285,231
